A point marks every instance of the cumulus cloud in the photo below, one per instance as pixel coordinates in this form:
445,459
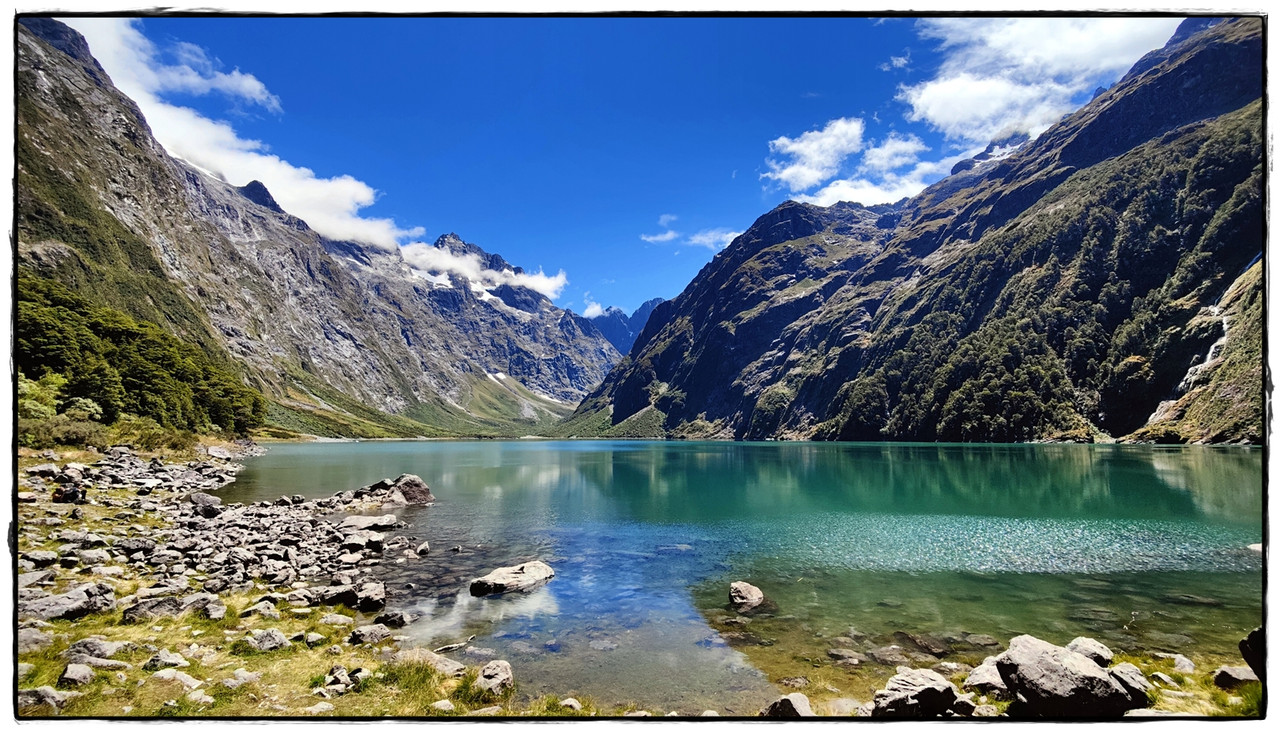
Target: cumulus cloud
814,156
893,152
886,187
1022,74
661,238
713,238
330,205
432,260
594,309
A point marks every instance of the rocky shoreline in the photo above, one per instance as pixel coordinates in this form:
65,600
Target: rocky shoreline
139,592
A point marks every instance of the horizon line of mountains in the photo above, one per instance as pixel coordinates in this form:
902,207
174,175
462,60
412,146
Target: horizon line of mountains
1104,279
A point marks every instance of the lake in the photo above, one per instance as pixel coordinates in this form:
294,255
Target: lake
1145,548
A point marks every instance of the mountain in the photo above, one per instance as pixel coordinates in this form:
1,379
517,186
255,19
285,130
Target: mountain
343,337
621,329
1101,280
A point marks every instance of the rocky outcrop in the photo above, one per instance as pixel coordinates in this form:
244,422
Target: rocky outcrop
525,577
1051,681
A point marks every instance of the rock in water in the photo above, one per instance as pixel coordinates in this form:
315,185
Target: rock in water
525,577
1052,681
496,677
793,705
744,597
409,490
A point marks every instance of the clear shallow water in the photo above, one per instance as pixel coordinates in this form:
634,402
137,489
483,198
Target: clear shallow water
1142,547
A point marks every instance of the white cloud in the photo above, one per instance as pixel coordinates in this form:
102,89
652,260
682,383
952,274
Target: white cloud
432,260
666,219
886,187
593,310
330,205
814,156
893,152
713,238
897,62
1023,74
663,237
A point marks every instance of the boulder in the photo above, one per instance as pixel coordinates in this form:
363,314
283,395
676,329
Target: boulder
31,639
496,677
744,597
1252,648
408,490
1051,681
1230,678
1092,649
792,705
148,609
267,640
45,695
369,634
525,577
171,674
986,679
165,659
77,602
915,693
441,664
372,597
76,674
97,647
1133,682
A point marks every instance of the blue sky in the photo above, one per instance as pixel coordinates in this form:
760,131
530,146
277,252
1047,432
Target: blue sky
613,155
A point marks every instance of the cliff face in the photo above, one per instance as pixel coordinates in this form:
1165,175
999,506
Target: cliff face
1062,292
622,329
337,333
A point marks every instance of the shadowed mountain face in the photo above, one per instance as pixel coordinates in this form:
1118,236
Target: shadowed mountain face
1103,278
339,334
621,329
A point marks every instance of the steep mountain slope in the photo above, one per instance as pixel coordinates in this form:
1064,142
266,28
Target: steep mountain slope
622,329
1060,292
346,338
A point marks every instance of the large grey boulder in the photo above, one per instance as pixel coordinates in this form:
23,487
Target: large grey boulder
97,647
496,677
441,664
1133,681
31,639
372,597
79,601
744,597
408,490
525,577
148,609
76,674
1051,681
45,695
915,693
792,705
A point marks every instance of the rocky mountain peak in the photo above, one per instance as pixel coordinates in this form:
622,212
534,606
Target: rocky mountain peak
258,193
64,38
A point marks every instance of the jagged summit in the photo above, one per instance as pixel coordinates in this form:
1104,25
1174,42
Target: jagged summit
258,193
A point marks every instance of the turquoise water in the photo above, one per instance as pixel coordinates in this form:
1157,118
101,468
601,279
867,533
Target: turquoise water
1143,547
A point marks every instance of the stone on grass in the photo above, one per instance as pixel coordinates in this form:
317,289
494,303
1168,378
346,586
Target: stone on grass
31,639
172,675
986,679
1232,677
76,674
792,705
496,677
1133,681
45,695
165,659
369,634
441,664
915,693
572,704
444,706
321,707
267,640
